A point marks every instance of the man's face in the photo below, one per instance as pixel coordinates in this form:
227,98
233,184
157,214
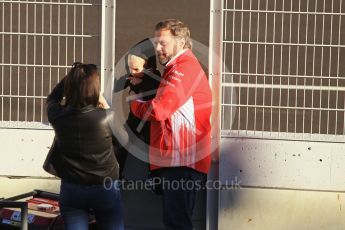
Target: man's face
167,45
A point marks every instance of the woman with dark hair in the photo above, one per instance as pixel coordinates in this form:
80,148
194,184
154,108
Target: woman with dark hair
143,80
86,161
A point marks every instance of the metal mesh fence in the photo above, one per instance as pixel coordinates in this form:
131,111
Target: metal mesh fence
283,73
39,41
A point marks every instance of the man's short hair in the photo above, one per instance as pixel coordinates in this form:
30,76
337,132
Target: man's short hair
177,28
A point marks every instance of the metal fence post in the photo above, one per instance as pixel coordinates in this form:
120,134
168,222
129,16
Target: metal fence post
215,73
108,47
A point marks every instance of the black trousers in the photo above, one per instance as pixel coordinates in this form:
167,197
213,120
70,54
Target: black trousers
178,187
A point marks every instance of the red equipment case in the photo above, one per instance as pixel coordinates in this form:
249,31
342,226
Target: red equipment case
40,210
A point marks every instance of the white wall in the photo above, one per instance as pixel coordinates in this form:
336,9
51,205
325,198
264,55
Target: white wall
281,185
273,209
22,154
12,187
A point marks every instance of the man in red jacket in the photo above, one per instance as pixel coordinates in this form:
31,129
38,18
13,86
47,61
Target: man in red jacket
180,123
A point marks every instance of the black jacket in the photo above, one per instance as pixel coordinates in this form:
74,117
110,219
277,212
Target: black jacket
148,86
85,142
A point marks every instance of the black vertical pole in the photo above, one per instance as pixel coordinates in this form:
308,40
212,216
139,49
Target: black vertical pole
24,216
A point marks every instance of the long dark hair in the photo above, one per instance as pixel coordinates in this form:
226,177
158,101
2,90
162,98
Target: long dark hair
82,85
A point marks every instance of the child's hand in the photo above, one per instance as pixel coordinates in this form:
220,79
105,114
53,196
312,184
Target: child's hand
135,80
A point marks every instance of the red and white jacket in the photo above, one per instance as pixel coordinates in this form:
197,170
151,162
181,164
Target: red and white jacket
180,116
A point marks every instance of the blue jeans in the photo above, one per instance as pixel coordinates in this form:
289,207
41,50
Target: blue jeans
77,200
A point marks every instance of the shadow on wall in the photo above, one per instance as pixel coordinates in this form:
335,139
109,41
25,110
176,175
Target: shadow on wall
136,19
231,167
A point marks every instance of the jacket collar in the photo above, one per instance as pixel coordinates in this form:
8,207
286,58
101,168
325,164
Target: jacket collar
85,109
174,59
